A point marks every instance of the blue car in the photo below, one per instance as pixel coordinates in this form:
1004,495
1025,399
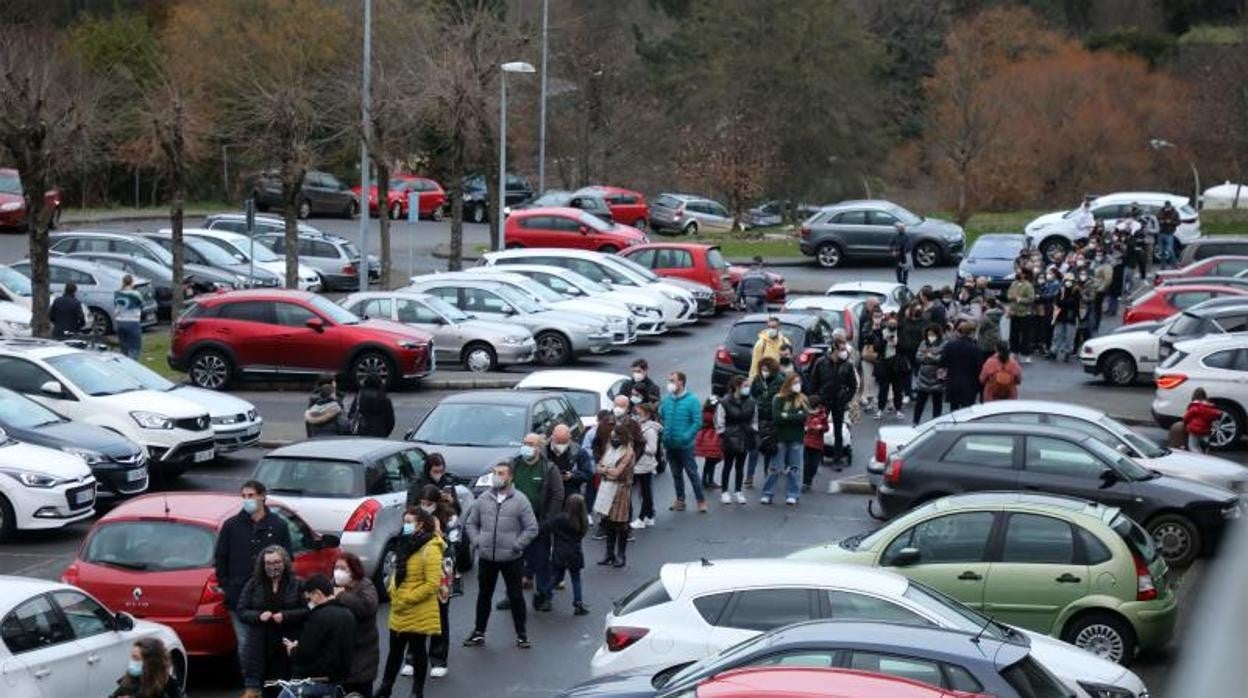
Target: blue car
992,256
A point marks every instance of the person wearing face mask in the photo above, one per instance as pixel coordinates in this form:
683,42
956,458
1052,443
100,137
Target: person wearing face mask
869,342
540,482
1022,297
432,503
324,649
988,331
1102,281
647,389
1047,292
752,288
763,389
788,411
356,593
706,445
568,530
271,606
647,464
929,376
681,415
414,615
1086,286
1065,320
615,494
768,344
836,383
734,421
910,327
147,673
238,546
502,524
575,465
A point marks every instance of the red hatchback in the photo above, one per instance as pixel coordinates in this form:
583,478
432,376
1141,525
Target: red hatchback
627,206
283,333
432,197
702,263
568,228
152,557
1222,265
13,200
1164,301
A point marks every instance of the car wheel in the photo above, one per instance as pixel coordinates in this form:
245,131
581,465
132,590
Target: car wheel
1106,635
1176,537
642,224
476,213
372,363
305,209
177,665
55,221
396,211
1119,368
210,369
1052,246
553,349
926,255
101,323
1228,428
385,568
480,357
690,230
353,209
437,215
8,523
608,249
829,255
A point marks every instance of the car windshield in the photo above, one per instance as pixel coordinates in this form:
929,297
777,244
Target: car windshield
311,477
584,283
996,248
212,254
263,254
336,313
586,403
15,281
1185,324
151,546
905,216
462,424
446,310
20,412
595,222
146,377
533,288
1146,448
636,268
954,614
1136,538
10,183
93,375
518,299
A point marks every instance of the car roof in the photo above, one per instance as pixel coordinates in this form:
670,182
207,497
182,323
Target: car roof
1218,238
881,287
861,203
460,279
684,197
795,681
571,379
253,294
355,448
1025,501
210,508
520,253
18,589
823,302
1130,196
94,233
1186,288
549,211
805,320
404,292
686,579
492,397
691,246
33,346
1004,428
1008,237
227,235
927,641
1217,303
1212,342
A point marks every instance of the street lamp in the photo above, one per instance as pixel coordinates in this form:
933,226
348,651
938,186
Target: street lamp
512,67
1161,143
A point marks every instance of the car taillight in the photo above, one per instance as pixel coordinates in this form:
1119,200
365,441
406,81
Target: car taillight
70,575
806,356
722,356
212,593
348,269
1172,380
1145,590
362,518
805,232
678,212
623,637
892,474
881,451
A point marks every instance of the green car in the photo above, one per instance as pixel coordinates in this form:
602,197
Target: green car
1069,568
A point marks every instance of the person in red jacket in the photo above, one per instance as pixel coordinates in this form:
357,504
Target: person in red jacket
1198,419
707,445
812,453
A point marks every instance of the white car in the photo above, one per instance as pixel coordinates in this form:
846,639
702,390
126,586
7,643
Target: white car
60,642
242,248
14,286
42,487
14,319
175,433
1219,364
1098,425
695,609
588,391
840,312
891,295
647,315
1055,231
1122,357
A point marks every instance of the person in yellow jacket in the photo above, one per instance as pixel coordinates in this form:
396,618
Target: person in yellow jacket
414,589
770,340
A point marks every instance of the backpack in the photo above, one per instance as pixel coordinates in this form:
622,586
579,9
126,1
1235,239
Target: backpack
1002,384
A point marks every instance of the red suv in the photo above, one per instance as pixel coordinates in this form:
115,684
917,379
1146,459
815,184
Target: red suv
402,186
152,557
13,200
280,333
627,206
701,263
568,228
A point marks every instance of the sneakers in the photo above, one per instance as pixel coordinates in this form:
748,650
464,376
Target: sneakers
791,501
579,609
407,670
649,521
678,505
740,498
905,399
725,498
476,639
764,500
637,524
522,641
438,672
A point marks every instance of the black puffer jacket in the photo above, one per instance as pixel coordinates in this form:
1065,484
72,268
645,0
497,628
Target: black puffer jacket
738,433
567,542
361,601
266,656
372,413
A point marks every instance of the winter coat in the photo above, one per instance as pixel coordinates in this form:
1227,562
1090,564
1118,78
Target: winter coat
764,390
1022,297
266,656
736,414
766,346
544,485
987,377
648,458
373,413
576,462
321,404
501,530
238,544
927,359
1068,306
899,248
646,387
566,552
909,336
835,381
789,423
66,315
326,644
707,444
1199,417
1102,278
414,601
990,329
961,360
618,466
361,600
682,418
129,687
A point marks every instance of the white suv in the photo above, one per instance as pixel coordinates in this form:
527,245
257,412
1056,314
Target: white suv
693,610
80,385
1217,363
42,487
1054,231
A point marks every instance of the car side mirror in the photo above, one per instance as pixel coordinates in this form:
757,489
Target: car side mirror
327,540
52,388
905,557
508,310
123,622
1124,449
1109,476
584,230
316,323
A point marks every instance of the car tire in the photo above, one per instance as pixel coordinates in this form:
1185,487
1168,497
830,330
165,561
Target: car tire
926,255
1107,635
101,323
1228,428
177,665
353,209
8,522
374,362
553,349
829,255
1118,368
304,210
396,211
476,213
55,221
690,230
1177,539
479,357
1049,247
210,369
437,214
608,249
389,557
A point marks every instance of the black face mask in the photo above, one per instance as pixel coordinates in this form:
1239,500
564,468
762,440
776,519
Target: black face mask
615,442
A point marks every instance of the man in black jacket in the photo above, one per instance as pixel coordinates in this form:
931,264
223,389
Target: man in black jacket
66,313
540,481
961,359
836,382
646,389
325,647
575,465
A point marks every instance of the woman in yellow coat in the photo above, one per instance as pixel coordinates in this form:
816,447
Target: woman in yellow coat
414,589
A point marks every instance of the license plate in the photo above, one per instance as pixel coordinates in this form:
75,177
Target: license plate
202,456
136,474
84,497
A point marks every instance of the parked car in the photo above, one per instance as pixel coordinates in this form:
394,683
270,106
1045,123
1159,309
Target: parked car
13,201
129,244
840,312
1213,317
1034,561
96,286
1164,301
817,682
320,193
568,228
200,279
398,197
776,290
865,229
152,557
627,206
480,345
991,256
284,333
587,201
255,254
14,286
1187,518
1213,246
473,430
587,391
85,388
775,212
689,214
1221,265
335,259
692,261
476,197
261,224
693,609
205,254
892,296
15,319
560,336
1055,231
44,488
1233,281
647,315
807,334
616,315
1216,364
61,641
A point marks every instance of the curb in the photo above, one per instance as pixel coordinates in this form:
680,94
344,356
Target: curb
470,384
854,484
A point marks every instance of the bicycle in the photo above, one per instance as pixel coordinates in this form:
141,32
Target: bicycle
295,688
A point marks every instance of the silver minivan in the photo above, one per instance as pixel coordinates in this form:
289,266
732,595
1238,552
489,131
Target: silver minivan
688,215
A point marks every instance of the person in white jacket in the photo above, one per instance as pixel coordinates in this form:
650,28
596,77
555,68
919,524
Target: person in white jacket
647,463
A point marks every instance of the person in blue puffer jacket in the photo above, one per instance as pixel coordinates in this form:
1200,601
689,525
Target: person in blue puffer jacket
681,414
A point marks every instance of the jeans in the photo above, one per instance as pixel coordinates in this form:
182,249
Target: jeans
1197,444
755,304
576,581
130,338
682,463
1166,242
1063,340
751,462
487,578
537,562
708,472
788,462
734,461
440,645
400,643
242,638
903,274
645,484
837,424
314,690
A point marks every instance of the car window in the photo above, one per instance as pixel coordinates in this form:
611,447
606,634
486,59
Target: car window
419,313
565,224
1232,323
1029,678
398,472
1186,299
375,308
645,258
541,417
953,538
477,300
152,546
803,658
1057,457
1095,552
415,462
846,605
1010,418
309,477
764,609
473,425
1230,267
1225,359
85,615
984,450
881,218
921,670
959,679
291,315
300,536
711,606
1085,427
673,259
535,222
1035,539
246,311
34,625
21,375
851,218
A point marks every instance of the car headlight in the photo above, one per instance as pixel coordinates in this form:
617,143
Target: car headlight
1096,690
223,421
515,339
151,420
11,206
1232,511
91,457
31,478
408,344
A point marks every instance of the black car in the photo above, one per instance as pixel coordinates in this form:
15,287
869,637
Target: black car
321,193
948,659
1186,517
586,201
477,199
992,256
117,463
732,358
1215,316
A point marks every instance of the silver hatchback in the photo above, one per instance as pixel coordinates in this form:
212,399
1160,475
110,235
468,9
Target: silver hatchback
688,215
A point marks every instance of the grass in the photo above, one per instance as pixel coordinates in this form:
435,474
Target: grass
155,351
194,208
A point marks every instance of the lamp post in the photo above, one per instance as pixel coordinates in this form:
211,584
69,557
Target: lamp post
364,103
541,128
511,67
1161,143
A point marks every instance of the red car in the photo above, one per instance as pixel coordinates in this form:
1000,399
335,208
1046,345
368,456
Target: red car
795,681
777,292
568,228
13,201
627,206
702,263
152,557
432,197
267,334
1164,301
1222,265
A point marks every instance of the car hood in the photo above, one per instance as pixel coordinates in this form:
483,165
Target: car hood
1196,466
80,435
217,404
985,266
1045,221
205,273
395,329
152,401
1123,340
579,320
470,462
49,460
627,296
1185,490
629,232
633,683
1071,663
829,552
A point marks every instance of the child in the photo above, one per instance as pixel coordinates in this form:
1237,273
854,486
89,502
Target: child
568,530
707,445
1199,419
812,453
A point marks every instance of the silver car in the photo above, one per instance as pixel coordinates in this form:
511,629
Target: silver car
108,241
335,258
560,335
688,215
617,317
480,345
865,229
96,285
647,315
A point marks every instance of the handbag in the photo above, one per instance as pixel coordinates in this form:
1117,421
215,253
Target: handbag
605,497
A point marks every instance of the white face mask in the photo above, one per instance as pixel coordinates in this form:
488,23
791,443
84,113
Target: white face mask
797,387
341,577
638,376
764,373
671,387
844,354
559,449
618,411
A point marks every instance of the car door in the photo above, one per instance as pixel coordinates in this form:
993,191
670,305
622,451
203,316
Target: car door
308,555
246,327
753,611
1065,467
103,648
448,338
43,653
843,605
1039,571
947,552
302,348
977,462
333,193
398,471
850,229
486,304
673,261
572,233
717,218
882,226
